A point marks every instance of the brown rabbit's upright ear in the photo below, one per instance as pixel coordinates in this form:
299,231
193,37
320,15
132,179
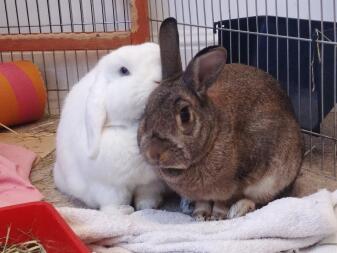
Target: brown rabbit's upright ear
205,68
169,48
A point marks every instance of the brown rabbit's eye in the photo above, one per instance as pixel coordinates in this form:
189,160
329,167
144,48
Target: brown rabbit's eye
185,115
124,71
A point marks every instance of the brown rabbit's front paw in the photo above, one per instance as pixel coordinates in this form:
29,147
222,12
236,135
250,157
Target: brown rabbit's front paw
202,210
218,216
220,211
241,208
203,216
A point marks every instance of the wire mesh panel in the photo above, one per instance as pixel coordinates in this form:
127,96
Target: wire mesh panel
55,16
83,24
66,38
60,70
293,40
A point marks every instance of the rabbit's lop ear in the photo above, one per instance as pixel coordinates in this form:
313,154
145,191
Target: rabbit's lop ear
205,68
169,49
95,117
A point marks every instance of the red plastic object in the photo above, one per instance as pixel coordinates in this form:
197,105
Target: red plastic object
39,221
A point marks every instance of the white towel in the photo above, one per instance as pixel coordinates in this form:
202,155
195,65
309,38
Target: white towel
283,225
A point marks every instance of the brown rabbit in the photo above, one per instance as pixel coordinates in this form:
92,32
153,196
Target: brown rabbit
224,136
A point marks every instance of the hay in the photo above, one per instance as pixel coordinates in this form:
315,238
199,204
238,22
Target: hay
8,128
39,138
31,246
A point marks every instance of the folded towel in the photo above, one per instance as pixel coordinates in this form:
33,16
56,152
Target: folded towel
282,225
15,166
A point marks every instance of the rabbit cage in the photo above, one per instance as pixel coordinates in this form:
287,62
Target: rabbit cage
293,40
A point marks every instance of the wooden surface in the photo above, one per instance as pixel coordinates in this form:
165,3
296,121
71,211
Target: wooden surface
140,22
83,41
64,41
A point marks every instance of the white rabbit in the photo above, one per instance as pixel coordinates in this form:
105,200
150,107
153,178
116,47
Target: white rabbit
97,156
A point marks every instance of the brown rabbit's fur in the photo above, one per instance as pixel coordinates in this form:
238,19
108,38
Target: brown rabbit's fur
242,141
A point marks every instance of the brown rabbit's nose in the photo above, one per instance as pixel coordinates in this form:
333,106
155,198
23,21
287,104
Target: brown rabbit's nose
155,151
153,155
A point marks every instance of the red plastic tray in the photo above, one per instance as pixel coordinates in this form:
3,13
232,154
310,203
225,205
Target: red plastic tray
39,221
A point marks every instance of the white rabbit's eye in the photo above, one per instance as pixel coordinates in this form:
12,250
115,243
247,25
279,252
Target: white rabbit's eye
124,71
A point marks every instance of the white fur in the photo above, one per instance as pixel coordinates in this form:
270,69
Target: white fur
262,189
241,208
97,156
